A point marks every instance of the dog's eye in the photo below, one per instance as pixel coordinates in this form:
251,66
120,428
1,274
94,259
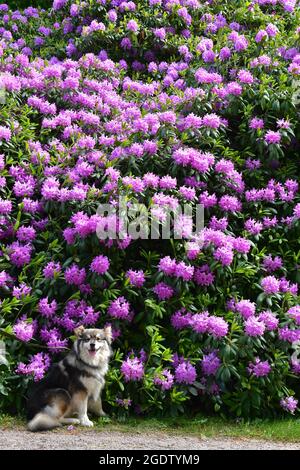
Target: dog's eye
86,339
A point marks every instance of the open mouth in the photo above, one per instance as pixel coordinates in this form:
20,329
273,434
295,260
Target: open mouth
92,352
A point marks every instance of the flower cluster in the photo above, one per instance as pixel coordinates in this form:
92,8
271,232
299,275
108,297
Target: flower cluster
165,103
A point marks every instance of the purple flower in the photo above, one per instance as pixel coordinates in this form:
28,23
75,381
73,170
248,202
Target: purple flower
185,373
164,379
286,334
181,319
184,271
47,309
259,368
76,313
269,319
100,264
24,330
217,326
253,226
211,120
272,30
272,137
163,291
59,4
289,404
297,211
132,26
20,291
203,276
75,275
271,264
5,206
5,133
270,285
119,308
53,339
245,308
136,278
132,369
294,312
261,35
199,322
210,363
254,327
51,270
37,366
224,255
256,123
26,234
160,33
225,53
295,365
245,77
230,204
167,266
124,402
20,254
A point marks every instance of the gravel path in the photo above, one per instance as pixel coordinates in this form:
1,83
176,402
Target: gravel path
113,440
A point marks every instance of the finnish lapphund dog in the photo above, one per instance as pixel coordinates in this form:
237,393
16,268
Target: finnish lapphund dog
73,386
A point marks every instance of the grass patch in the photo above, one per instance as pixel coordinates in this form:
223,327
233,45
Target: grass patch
287,430
280,430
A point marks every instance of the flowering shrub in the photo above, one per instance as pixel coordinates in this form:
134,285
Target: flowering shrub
164,101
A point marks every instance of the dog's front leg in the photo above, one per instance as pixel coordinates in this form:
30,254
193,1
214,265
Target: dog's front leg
95,406
80,405
69,421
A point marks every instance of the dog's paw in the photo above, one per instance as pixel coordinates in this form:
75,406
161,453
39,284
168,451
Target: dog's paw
86,422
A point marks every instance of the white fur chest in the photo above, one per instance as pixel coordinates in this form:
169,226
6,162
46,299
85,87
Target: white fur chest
92,385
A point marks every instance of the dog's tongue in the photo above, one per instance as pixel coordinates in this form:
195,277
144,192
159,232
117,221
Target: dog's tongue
92,353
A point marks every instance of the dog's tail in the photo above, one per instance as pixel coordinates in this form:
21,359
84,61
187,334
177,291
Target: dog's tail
43,422
49,416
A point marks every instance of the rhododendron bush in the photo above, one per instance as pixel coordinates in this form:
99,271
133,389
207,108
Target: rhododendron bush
165,102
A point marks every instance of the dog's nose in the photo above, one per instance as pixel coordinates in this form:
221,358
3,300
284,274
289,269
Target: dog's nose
92,346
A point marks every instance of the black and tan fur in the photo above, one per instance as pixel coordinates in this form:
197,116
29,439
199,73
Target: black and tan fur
73,386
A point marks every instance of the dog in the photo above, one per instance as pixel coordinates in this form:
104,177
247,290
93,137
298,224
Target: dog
73,386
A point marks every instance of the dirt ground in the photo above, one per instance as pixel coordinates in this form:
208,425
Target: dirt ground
78,439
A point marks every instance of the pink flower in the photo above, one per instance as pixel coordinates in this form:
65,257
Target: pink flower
289,404
217,327
119,308
245,308
132,369
24,330
163,291
272,137
270,285
164,379
210,363
254,327
100,264
136,278
224,255
185,373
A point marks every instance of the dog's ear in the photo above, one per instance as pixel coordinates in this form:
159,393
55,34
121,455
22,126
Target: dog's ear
78,331
108,334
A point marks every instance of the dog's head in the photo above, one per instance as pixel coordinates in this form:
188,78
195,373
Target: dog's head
93,344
